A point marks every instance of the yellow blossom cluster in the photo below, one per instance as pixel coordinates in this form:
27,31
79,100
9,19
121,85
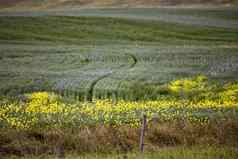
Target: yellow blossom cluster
43,102
43,109
189,85
14,115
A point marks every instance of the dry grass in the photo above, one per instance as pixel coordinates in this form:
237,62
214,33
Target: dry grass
108,139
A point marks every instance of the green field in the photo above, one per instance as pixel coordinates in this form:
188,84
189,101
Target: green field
82,78
103,57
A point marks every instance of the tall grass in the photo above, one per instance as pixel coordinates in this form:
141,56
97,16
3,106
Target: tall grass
161,138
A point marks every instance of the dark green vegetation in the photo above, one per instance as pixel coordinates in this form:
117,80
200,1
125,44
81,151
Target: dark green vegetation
93,29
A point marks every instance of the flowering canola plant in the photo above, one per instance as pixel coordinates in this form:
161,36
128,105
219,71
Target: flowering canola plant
44,109
43,102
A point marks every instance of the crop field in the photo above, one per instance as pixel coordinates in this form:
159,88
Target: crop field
102,57
94,72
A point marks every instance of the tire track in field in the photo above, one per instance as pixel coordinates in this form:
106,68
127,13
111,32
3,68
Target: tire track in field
89,96
135,61
92,86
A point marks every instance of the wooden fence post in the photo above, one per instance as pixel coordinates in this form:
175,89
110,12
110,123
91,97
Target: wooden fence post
59,147
142,134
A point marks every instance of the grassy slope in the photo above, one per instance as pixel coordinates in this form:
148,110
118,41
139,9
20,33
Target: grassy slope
75,29
20,65
68,30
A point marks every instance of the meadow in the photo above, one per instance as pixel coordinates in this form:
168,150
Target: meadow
82,79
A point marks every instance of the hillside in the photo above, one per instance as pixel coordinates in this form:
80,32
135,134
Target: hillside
101,78
105,3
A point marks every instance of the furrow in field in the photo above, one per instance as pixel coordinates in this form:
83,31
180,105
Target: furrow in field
95,82
134,60
132,65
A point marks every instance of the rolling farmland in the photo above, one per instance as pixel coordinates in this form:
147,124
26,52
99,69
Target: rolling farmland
81,78
104,57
